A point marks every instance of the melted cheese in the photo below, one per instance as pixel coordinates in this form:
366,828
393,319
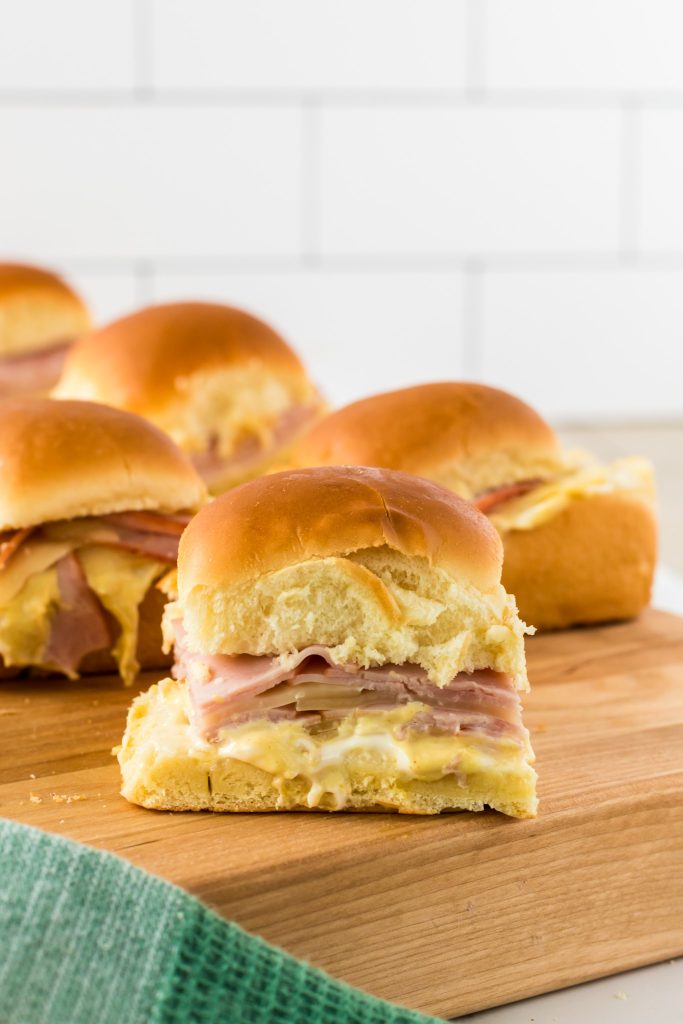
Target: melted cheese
29,596
550,499
32,558
121,579
25,619
364,745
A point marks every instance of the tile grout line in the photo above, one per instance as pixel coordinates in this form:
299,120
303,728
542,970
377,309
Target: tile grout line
144,274
417,263
144,91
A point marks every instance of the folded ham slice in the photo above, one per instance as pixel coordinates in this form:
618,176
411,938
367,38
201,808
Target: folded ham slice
226,690
147,533
151,534
10,541
251,453
32,373
80,625
491,499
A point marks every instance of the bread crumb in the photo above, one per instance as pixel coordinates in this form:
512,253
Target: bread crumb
35,799
32,775
65,798
621,995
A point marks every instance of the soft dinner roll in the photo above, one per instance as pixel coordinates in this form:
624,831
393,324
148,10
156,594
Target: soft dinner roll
40,315
92,505
225,386
342,641
580,538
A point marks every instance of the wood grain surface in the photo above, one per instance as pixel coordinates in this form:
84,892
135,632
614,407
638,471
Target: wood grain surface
447,914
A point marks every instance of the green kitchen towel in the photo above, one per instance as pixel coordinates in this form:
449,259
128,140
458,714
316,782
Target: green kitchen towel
86,938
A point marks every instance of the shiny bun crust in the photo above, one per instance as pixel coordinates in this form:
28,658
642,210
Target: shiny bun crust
37,310
60,460
593,562
378,565
144,361
293,516
468,437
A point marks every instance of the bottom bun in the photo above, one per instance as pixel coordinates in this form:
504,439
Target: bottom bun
164,767
593,562
149,652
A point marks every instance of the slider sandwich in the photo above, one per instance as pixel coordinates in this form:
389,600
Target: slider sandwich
92,505
228,390
40,316
580,537
342,642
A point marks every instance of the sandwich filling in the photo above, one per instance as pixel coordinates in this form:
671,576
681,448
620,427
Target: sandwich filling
253,451
73,587
527,504
32,373
304,719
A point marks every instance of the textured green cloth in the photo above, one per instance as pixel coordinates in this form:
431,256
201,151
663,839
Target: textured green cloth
86,938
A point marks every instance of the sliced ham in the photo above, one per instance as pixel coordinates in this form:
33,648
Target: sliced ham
150,522
151,534
79,626
225,690
250,453
10,541
489,500
32,373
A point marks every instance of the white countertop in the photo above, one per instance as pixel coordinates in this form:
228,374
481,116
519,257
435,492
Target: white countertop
650,995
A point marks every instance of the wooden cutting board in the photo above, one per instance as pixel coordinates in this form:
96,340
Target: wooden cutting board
447,914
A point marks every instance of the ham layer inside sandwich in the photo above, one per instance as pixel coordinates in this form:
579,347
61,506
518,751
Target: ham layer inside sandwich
80,625
491,499
251,452
229,690
34,372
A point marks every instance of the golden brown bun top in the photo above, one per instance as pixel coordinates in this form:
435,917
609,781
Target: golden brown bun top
143,361
467,436
37,309
294,516
60,460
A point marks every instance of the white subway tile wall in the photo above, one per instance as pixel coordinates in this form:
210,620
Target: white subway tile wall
477,181
146,183
588,345
309,44
408,189
72,44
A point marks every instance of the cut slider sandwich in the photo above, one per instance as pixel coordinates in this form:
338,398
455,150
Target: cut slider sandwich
341,641
92,505
40,316
580,537
225,386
